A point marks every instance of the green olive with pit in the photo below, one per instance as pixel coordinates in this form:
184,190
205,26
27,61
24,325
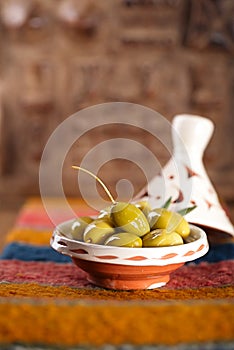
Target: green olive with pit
98,231
78,227
129,218
161,238
171,221
124,239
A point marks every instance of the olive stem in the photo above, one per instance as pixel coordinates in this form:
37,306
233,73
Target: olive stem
97,179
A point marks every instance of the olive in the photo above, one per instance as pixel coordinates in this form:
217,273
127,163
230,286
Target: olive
161,238
105,214
152,218
144,206
78,227
98,231
171,221
130,218
124,239
133,219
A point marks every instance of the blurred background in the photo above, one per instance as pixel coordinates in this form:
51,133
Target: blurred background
60,56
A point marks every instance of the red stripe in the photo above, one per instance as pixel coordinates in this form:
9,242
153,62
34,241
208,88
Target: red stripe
41,218
49,273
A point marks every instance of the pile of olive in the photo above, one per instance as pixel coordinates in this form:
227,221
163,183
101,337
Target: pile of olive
132,225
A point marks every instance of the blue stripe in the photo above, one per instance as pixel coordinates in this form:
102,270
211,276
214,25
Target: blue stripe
218,252
28,252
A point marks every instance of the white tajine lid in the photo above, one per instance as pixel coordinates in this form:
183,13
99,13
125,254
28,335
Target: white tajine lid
184,177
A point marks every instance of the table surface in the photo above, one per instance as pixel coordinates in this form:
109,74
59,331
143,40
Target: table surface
195,309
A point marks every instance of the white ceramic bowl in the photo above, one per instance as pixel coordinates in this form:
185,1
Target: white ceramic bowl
128,268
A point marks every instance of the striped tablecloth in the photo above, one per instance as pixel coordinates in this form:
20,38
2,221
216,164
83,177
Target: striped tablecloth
47,303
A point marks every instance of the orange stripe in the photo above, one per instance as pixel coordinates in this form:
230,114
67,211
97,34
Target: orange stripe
32,236
115,323
56,203
33,290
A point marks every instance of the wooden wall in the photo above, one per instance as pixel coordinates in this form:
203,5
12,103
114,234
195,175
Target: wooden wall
59,56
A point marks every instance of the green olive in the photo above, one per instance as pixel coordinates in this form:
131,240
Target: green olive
144,206
152,217
130,218
98,231
78,227
124,239
161,238
171,221
105,214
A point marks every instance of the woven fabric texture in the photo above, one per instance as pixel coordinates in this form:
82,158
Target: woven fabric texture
46,302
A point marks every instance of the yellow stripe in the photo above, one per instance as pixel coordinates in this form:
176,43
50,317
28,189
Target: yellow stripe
115,323
34,290
32,236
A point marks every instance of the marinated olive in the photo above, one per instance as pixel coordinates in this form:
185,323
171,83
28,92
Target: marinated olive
124,239
129,218
152,218
169,228
105,214
171,221
97,232
78,227
161,238
144,206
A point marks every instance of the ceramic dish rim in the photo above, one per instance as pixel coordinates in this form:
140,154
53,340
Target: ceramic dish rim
93,245
130,256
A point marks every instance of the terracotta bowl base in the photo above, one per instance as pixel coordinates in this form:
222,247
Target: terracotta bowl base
124,284
126,277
